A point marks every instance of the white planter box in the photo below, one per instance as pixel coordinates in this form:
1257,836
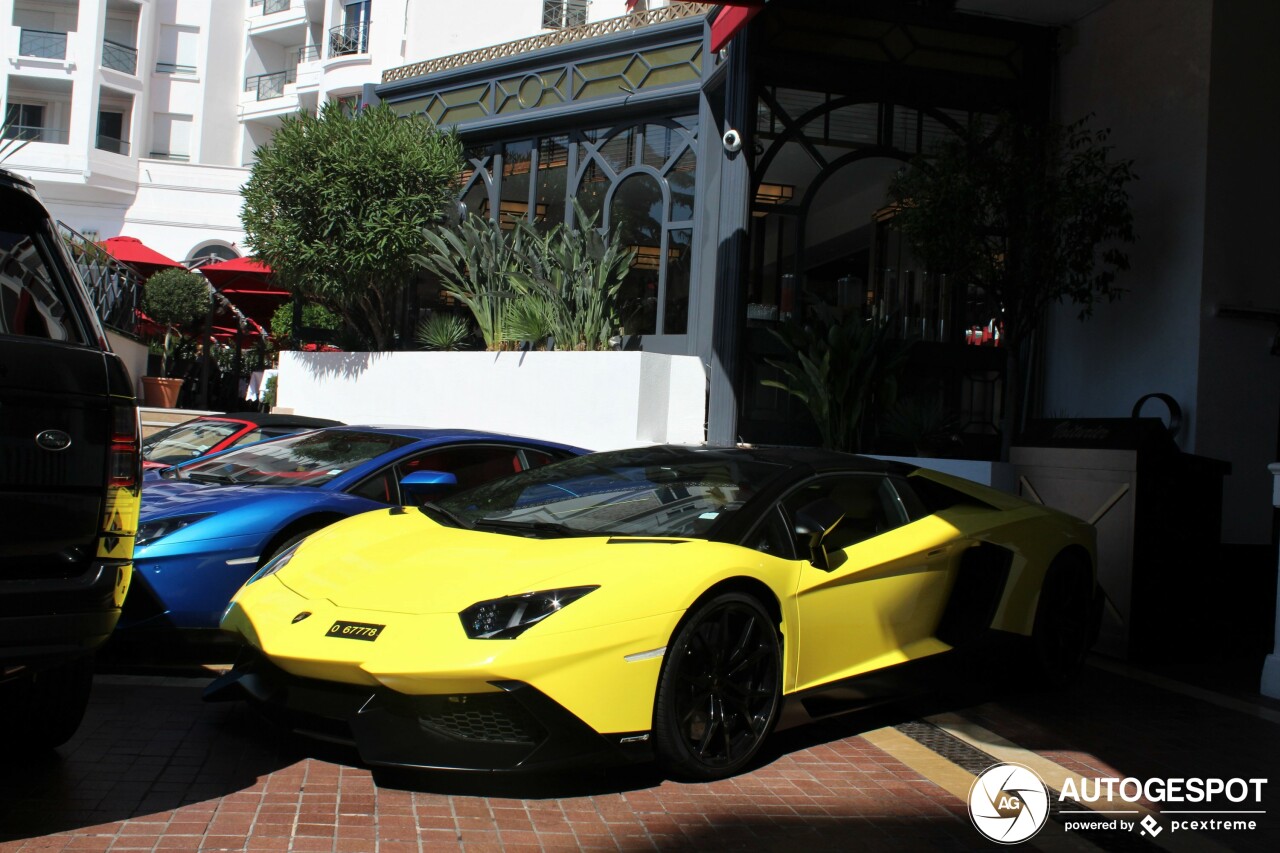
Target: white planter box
596,400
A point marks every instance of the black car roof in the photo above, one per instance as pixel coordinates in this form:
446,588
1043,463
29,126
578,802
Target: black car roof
812,457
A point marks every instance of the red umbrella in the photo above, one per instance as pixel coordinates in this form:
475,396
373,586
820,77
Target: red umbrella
249,283
133,251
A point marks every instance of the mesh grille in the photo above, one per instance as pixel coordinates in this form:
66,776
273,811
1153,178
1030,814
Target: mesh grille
497,720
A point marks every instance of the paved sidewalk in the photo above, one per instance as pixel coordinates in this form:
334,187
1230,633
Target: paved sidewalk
154,768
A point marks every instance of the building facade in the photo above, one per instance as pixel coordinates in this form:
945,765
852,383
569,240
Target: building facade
141,117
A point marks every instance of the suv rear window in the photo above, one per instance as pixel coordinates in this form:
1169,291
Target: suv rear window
31,301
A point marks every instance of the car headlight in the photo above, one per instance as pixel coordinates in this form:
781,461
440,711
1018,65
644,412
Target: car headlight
275,564
150,531
507,618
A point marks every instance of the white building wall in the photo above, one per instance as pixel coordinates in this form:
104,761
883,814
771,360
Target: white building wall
1142,68
1187,87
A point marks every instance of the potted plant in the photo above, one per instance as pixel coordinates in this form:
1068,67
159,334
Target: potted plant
171,298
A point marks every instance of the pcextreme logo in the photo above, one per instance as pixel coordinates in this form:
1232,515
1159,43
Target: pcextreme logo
1008,803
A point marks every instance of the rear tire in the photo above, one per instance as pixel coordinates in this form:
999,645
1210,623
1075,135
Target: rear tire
42,710
1063,629
720,689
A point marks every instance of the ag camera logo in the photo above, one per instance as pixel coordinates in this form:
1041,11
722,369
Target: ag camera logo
1008,803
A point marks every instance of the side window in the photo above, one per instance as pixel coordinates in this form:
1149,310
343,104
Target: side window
30,303
381,487
471,464
537,458
870,506
772,536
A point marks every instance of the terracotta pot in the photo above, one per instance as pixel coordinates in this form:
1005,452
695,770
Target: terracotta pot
159,392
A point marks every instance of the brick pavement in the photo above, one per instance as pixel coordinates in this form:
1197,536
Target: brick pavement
154,768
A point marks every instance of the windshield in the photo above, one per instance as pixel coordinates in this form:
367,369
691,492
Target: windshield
304,459
679,492
180,443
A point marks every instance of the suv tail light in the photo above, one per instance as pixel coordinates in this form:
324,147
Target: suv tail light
125,460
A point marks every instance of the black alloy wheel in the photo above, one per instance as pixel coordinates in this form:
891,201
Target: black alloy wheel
720,689
1063,628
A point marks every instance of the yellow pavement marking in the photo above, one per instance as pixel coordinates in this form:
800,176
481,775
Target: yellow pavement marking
1055,776
957,782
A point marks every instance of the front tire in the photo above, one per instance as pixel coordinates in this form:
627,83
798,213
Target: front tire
720,689
42,710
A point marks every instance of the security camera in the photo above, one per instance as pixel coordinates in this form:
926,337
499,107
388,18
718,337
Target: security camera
732,141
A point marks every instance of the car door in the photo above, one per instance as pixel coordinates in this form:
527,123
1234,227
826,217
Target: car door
880,600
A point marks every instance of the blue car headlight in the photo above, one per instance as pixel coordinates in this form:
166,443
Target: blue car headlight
509,617
150,531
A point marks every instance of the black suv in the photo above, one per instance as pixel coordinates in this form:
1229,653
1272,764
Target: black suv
70,475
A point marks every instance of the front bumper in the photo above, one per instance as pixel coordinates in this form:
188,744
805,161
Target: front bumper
516,728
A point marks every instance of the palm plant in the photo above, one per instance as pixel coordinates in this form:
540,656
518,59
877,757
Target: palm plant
840,366
443,332
473,263
523,284
577,274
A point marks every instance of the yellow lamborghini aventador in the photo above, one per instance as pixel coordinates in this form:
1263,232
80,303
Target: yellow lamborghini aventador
662,602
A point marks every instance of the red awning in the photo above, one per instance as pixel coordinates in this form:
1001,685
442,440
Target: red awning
731,19
131,250
250,285
236,266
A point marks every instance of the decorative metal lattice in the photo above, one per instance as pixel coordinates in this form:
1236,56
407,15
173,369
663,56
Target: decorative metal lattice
611,26
115,288
629,72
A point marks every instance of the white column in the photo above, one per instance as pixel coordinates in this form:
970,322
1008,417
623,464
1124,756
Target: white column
1271,667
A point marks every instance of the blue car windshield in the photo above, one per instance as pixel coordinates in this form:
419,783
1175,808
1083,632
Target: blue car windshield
681,492
305,459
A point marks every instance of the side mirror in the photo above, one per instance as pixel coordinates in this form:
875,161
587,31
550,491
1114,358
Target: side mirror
424,485
814,522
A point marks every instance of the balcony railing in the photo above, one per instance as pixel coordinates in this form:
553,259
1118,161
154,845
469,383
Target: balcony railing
113,145
119,57
32,133
271,85
309,53
115,288
42,44
563,14
272,6
350,39
165,155
174,68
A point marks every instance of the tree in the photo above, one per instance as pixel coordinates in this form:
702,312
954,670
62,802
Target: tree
313,317
337,203
172,298
1020,216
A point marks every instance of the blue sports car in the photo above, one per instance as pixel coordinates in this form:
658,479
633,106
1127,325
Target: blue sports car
208,525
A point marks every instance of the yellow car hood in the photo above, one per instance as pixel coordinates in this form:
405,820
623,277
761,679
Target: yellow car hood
403,562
